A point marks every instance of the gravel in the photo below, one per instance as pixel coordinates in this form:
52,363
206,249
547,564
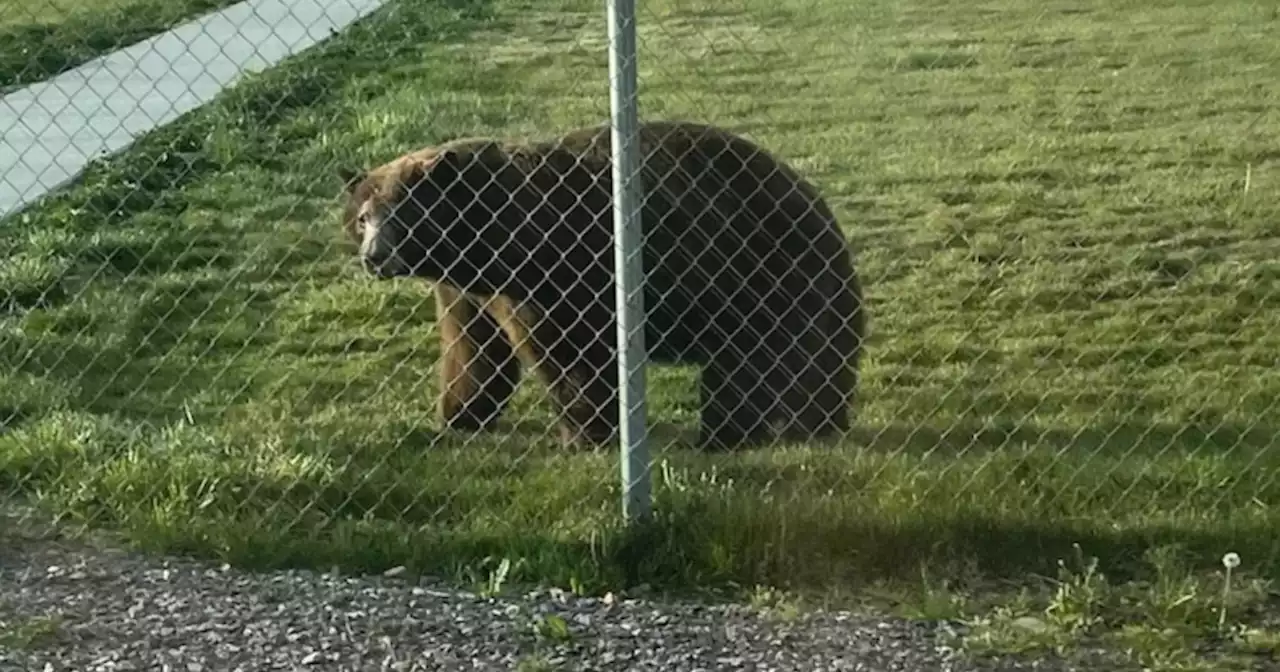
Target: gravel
67,606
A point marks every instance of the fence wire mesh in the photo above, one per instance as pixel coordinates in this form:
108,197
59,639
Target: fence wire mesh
945,284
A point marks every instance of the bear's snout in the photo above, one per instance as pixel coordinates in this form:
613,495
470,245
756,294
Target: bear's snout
378,253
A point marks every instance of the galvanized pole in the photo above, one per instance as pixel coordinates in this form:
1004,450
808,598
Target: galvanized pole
636,496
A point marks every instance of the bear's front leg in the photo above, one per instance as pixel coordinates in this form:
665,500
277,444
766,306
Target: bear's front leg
478,367
586,394
577,368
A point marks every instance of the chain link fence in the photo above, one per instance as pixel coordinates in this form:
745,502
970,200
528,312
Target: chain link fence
922,284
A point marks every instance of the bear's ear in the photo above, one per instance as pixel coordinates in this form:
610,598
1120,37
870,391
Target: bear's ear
412,171
350,178
442,169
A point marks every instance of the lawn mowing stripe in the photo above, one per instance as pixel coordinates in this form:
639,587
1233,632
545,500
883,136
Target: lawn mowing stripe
44,38
51,130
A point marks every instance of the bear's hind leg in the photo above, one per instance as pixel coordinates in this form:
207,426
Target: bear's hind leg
814,404
819,404
735,402
815,407
478,367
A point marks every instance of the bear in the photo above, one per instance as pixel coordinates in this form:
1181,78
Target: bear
747,275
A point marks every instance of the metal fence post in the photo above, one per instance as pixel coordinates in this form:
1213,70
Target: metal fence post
636,495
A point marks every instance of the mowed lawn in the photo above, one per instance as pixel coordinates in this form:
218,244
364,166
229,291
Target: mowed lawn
41,38
1064,212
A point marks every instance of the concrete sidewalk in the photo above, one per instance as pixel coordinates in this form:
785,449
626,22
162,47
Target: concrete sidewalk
49,131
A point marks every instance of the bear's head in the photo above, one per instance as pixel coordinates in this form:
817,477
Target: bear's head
465,213
400,214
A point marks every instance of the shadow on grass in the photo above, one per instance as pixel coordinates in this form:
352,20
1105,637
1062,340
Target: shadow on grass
693,544
1207,437
849,553
159,255
12,416
140,357
364,499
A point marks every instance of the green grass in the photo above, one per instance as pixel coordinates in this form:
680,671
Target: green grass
41,38
30,633
1065,214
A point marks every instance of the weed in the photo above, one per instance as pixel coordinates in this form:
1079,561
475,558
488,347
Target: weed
552,628
492,575
1163,621
932,600
535,663
31,633
1079,596
775,603
1229,561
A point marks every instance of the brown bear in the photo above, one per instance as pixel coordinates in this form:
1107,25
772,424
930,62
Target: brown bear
746,274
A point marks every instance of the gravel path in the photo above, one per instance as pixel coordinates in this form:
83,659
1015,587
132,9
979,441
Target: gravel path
118,611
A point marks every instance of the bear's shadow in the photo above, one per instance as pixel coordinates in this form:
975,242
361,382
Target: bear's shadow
1133,438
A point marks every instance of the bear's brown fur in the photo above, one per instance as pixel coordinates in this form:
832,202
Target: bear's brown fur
747,275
